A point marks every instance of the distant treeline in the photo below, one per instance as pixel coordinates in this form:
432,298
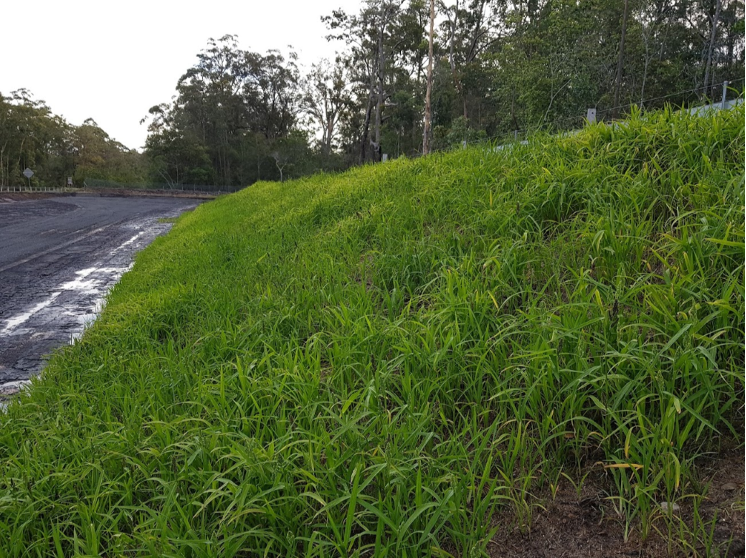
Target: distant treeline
31,136
501,67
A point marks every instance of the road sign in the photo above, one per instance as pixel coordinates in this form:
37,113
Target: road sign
69,180
28,173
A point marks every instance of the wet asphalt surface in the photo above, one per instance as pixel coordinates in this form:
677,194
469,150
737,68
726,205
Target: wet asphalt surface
58,259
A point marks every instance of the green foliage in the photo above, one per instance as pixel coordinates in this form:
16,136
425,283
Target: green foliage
31,136
457,134
507,65
98,156
376,363
501,67
233,120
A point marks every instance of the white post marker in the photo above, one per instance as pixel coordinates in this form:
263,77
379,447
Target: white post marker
591,115
28,173
725,93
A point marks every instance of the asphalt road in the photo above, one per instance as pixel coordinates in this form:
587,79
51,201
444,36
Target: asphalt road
58,258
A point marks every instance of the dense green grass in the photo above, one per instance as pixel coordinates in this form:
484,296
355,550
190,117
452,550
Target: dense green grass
392,361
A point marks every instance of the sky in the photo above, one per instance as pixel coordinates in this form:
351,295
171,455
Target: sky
112,61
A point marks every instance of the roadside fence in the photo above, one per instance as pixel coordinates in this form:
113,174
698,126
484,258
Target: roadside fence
32,189
96,184
572,124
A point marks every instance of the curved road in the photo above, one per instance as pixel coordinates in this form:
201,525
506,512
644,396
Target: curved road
58,258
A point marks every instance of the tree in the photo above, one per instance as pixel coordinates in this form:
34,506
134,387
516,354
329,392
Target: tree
713,35
508,66
325,100
428,107
227,107
97,155
32,136
291,153
620,63
384,42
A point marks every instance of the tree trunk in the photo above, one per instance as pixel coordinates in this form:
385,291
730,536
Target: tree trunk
2,169
366,125
428,107
452,41
379,100
328,140
713,35
620,62
331,118
20,153
277,164
645,72
513,119
452,59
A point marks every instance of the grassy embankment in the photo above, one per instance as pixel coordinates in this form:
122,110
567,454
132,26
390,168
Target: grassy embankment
393,360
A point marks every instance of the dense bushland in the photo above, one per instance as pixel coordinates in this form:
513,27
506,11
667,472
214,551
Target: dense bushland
391,361
32,136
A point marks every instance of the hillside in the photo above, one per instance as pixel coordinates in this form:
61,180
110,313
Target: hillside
407,359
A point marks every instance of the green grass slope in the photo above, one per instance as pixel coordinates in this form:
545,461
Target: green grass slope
389,361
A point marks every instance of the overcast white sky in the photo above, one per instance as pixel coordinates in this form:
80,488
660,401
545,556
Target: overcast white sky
111,61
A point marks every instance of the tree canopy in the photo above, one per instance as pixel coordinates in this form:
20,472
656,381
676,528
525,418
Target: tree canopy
235,116
31,136
499,68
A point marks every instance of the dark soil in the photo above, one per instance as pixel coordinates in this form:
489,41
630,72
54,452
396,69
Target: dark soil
7,197
121,192
586,525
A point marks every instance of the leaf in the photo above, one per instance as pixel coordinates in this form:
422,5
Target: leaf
726,242
635,466
675,338
350,401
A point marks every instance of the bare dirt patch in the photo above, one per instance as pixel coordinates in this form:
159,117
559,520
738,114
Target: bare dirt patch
586,525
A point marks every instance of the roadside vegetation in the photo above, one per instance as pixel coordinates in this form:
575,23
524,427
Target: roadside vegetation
396,361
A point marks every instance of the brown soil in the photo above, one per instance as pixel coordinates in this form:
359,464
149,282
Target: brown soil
117,192
7,197
586,526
